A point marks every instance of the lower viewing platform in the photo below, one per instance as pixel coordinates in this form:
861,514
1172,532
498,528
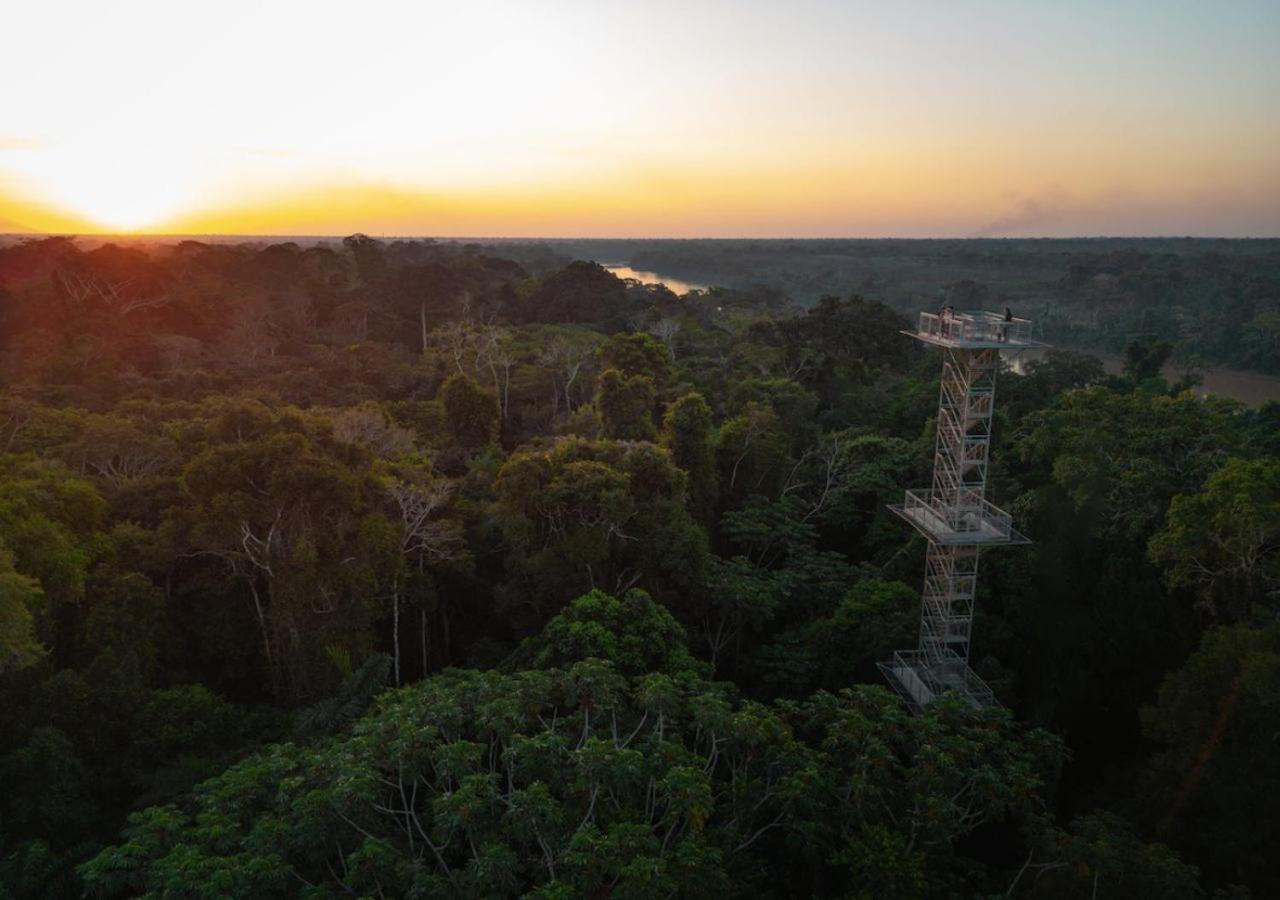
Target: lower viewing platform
920,679
970,522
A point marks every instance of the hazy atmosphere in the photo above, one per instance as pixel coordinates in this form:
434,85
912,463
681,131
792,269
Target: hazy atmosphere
658,119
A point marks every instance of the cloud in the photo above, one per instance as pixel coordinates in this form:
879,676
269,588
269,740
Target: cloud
1029,213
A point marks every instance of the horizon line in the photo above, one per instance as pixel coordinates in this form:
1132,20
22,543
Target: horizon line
560,237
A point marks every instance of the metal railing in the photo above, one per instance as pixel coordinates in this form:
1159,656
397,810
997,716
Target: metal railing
971,514
978,327
921,677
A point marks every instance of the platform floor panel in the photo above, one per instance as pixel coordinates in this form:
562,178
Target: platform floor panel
919,685
957,344
936,529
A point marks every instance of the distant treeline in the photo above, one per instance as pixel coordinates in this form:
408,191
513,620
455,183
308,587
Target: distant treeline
1217,301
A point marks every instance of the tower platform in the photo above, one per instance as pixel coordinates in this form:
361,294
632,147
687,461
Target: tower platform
971,522
975,330
920,679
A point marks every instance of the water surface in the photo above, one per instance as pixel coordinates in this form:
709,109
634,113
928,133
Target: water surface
1252,388
674,284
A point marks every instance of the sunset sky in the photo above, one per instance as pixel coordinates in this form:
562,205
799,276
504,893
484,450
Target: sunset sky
678,119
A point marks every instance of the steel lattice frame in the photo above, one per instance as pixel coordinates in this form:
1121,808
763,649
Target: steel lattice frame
954,514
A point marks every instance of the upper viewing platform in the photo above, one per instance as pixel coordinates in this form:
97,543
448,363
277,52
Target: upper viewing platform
974,330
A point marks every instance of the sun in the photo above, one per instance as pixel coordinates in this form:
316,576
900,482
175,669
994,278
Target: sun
123,207
119,188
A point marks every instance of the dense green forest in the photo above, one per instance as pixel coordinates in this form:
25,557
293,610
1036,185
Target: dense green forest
1217,302
414,569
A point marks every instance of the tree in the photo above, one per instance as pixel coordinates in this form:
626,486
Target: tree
1145,357
423,539
1045,378
779,573
666,330
638,354
581,292
840,343
1208,788
1153,448
1224,542
1100,856
569,353
795,406
49,523
19,595
581,782
688,432
470,411
632,632
739,596
280,508
369,255
873,619
751,453
625,404
51,790
117,451
1091,628
578,515
846,481
369,426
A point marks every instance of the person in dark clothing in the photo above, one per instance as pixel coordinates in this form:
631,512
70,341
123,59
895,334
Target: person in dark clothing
1008,323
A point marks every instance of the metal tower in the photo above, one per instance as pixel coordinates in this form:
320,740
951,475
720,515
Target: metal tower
953,513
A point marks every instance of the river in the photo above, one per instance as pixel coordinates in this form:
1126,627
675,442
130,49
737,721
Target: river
1252,388
676,285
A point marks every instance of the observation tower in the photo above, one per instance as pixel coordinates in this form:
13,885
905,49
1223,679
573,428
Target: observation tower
953,513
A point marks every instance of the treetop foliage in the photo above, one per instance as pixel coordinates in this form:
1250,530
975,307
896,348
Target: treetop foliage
417,568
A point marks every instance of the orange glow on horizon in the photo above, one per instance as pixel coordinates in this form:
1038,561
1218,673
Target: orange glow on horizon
695,119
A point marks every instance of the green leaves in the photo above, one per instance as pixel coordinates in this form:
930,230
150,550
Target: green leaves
1224,542
1099,855
1121,458
48,519
581,514
625,404
1209,786
633,633
19,595
470,411
498,785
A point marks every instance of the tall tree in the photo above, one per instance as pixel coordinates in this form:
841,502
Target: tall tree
625,404
688,432
19,595
471,412
1224,542
585,514
281,509
424,539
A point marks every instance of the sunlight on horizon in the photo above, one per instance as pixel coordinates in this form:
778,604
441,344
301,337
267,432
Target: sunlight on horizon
707,119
